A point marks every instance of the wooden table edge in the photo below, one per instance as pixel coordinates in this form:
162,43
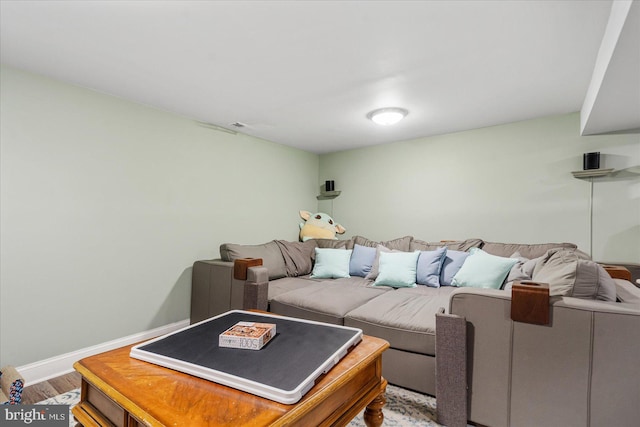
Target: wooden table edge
308,405
113,394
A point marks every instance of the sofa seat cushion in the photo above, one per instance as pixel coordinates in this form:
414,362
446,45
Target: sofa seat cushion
286,284
326,300
405,317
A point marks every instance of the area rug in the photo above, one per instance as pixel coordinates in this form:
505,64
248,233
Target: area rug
403,408
70,398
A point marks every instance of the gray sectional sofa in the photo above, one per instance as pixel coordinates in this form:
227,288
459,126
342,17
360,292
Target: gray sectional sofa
581,369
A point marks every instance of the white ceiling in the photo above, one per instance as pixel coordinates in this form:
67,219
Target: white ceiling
305,74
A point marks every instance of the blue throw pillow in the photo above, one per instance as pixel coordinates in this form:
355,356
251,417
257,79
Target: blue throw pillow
397,269
452,263
331,263
483,270
429,267
362,260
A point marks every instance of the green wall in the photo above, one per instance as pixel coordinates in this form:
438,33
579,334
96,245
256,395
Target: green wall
508,183
105,205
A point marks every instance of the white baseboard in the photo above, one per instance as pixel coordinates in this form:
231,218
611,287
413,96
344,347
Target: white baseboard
44,370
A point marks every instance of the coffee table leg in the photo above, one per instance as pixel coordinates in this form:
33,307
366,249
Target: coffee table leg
373,416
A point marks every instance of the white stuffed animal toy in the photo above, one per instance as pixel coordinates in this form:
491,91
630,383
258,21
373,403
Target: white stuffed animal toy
318,226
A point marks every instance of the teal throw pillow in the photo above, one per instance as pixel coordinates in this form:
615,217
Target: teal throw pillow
483,270
373,274
397,269
331,263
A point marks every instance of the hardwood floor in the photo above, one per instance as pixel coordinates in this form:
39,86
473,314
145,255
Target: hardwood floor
46,389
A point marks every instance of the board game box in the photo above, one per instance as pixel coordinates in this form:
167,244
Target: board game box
247,335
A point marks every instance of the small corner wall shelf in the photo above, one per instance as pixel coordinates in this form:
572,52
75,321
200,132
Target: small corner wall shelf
328,195
591,173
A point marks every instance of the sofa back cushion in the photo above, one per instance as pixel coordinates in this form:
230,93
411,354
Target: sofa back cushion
298,256
458,245
569,274
525,251
593,282
401,243
334,243
269,252
521,270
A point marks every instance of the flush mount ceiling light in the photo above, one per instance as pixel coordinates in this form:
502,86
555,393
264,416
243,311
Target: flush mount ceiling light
387,116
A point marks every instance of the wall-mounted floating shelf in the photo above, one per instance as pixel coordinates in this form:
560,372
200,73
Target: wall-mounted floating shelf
328,195
591,173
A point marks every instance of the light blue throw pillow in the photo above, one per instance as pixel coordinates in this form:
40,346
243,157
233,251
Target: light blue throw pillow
452,263
483,270
331,263
429,267
397,269
362,260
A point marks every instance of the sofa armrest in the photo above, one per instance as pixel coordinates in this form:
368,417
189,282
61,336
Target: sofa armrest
214,290
451,369
564,373
256,289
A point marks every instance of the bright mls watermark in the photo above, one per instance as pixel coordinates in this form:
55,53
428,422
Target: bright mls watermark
34,415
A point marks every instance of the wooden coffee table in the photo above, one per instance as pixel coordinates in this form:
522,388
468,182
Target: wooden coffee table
126,392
